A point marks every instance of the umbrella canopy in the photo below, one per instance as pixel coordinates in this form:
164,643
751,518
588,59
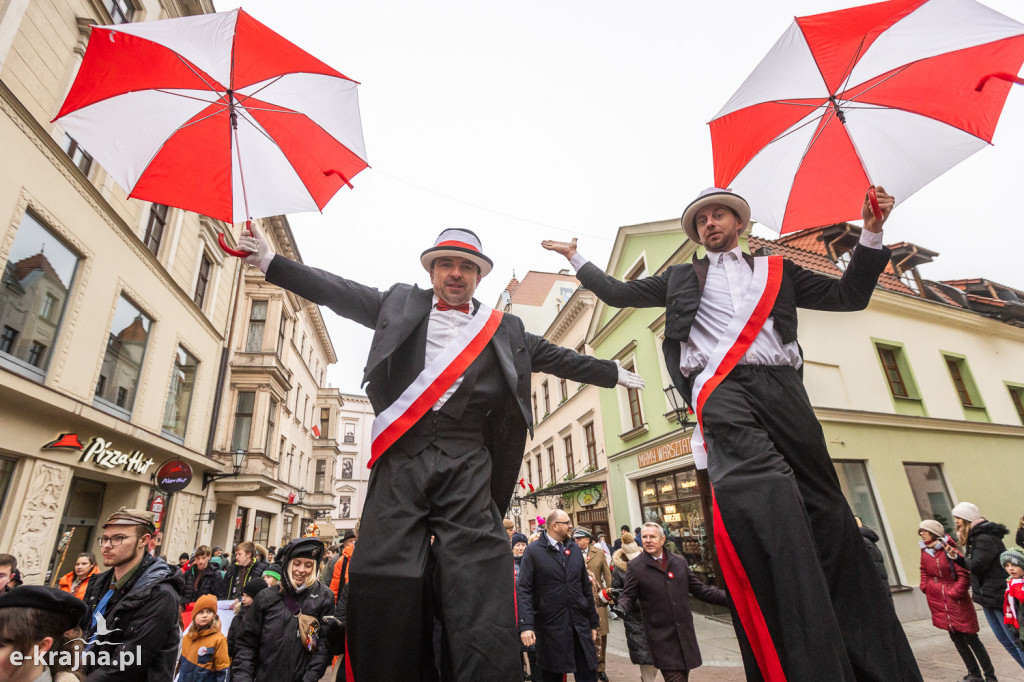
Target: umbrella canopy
215,114
883,93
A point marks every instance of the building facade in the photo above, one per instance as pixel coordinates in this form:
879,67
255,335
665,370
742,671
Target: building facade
355,424
919,397
113,313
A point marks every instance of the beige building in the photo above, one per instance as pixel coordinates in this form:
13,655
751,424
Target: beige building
113,313
355,422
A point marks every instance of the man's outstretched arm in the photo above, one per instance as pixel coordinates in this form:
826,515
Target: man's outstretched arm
568,364
349,299
642,293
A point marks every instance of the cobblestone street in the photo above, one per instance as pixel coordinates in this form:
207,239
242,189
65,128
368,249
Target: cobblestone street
934,651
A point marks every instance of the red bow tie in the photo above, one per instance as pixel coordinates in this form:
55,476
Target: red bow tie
462,308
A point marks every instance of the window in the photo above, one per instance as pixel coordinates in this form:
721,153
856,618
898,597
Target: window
637,271
346,468
930,493
179,393
1017,396
547,398
33,295
636,416
897,386
325,421
345,506
895,367
121,11
281,334
6,476
243,420
321,474
853,479
552,472
305,411
36,354
570,466
954,366
563,391
966,390
270,426
78,156
202,280
350,432
155,227
10,335
540,473
529,471
588,436
257,320
261,528
280,450
122,360
536,415
672,500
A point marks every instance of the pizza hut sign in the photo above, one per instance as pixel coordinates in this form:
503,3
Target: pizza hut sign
102,454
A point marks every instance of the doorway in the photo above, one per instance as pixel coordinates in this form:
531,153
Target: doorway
78,526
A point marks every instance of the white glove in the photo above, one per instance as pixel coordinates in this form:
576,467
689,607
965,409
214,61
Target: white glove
629,379
261,254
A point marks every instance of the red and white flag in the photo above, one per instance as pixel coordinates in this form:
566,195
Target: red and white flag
316,430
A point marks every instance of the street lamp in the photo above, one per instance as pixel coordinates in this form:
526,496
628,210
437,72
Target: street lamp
679,408
297,502
237,461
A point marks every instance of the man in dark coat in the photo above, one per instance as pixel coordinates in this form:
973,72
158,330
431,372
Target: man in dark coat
282,631
202,577
556,604
133,607
246,567
806,605
451,444
662,583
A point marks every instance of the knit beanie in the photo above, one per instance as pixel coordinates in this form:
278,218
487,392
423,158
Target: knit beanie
207,601
254,587
517,538
629,546
1012,556
967,511
933,527
273,571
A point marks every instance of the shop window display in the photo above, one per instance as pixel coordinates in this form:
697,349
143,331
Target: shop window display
673,500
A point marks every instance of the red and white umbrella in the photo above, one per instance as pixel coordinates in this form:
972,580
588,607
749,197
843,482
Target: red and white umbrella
888,94
215,114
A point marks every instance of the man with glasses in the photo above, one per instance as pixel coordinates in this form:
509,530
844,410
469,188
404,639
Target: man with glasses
133,606
555,601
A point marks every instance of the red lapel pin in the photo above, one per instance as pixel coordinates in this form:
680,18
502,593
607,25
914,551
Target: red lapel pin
670,576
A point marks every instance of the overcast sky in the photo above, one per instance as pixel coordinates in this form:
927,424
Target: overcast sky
527,120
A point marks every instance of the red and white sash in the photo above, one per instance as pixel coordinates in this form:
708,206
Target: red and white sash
746,324
432,383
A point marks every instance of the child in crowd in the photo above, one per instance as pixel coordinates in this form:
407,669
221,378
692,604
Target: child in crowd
249,592
204,649
1013,601
272,575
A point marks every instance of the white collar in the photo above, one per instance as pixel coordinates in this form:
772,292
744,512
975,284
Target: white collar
719,256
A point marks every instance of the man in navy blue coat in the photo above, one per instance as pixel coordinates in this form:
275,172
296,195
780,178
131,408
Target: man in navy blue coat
555,601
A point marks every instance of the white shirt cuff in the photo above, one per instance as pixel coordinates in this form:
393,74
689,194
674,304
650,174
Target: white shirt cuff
578,261
265,263
872,240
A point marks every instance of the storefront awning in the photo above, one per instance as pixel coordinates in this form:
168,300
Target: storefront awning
565,487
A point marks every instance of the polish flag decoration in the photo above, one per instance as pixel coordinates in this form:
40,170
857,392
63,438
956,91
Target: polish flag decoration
316,430
291,497
523,483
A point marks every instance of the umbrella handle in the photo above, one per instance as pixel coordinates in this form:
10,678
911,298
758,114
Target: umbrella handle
222,240
872,197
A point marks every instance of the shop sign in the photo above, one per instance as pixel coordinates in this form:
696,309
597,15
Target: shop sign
102,454
665,452
589,496
157,505
173,475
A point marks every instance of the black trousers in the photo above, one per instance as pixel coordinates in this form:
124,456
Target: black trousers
828,615
583,672
392,596
973,653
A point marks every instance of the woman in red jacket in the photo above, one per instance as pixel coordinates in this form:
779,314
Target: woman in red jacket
947,587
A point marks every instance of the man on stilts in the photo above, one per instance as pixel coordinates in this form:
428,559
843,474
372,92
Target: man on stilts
449,381
807,605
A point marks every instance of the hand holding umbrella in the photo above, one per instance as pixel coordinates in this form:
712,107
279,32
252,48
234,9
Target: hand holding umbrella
876,209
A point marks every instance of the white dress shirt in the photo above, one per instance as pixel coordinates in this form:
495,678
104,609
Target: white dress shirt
728,279
442,328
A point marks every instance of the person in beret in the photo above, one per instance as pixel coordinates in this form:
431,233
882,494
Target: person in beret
281,639
36,619
133,606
